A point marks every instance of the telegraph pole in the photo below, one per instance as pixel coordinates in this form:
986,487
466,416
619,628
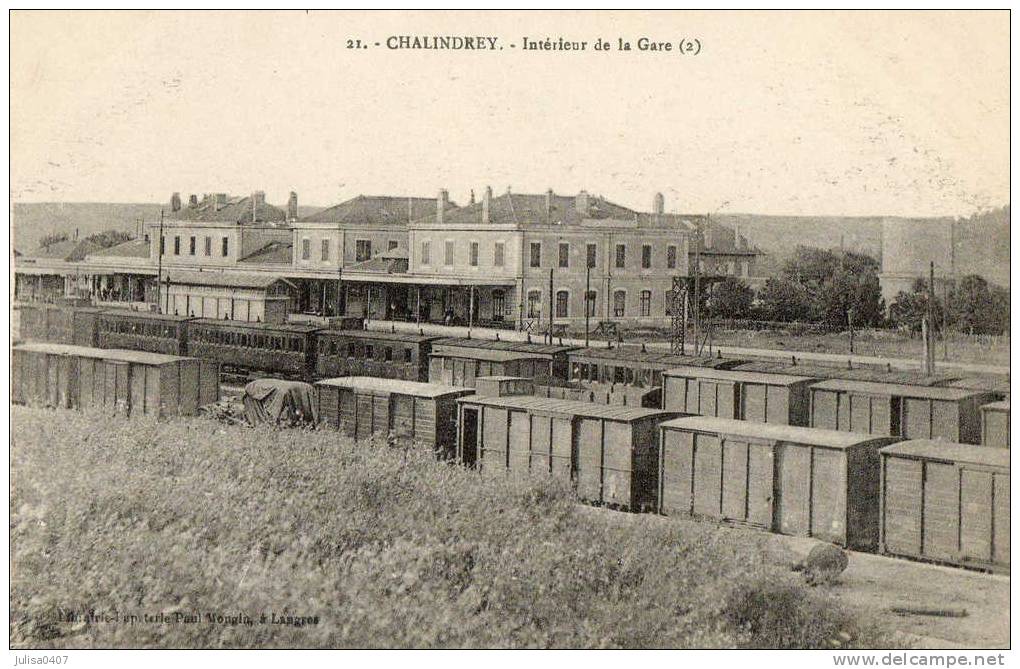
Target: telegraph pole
550,306
159,269
587,295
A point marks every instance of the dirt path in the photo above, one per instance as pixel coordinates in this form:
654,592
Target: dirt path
873,584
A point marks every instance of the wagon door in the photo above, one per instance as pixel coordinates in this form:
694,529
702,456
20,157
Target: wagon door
541,444
676,471
589,459
975,515
1000,518
753,403
363,415
707,475
495,432
824,408
828,495
941,510
520,441
793,489
563,455
901,521
402,416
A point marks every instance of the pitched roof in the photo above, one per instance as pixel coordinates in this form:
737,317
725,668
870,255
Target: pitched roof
526,208
225,279
64,250
567,407
233,210
949,451
736,376
275,252
377,210
134,248
890,389
372,384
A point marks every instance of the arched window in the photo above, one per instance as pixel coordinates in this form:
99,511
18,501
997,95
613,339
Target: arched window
620,303
562,302
646,303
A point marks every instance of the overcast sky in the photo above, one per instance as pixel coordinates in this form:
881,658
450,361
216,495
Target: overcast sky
903,113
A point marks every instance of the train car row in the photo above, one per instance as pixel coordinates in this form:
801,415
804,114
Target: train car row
874,401
919,498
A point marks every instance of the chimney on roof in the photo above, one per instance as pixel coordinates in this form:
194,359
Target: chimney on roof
258,200
581,203
219,201
486,204
442,200
192,200
292,207
658,205
472,196
548,204
175,202
707,234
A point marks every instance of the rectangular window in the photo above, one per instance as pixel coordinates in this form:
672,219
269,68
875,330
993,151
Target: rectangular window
162,245
325,249
621,255
619,303
590,303
646,303
497,254
363,250
448,253
536,254
177,245
591,253
671,257
564,255
474,254
208,246
226,246
534,304
425,253
646,256
306,248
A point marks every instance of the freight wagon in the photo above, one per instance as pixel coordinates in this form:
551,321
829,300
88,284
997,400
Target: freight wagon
995,424
946,502
761,398
391,355
633,366
993,383
861,373
282,349
458,361
609,452
782,478
910,412
130,383
410,411
142,331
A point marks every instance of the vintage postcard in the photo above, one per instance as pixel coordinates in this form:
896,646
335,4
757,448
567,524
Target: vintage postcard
510,330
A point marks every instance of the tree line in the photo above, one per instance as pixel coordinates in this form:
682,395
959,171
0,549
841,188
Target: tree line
840,290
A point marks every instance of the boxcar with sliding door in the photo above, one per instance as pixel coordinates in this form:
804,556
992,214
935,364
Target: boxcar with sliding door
910,412
608,452
281,350
761,398
946,502
995,424
782,478
409,411
459,361
860,373
142,331
390,355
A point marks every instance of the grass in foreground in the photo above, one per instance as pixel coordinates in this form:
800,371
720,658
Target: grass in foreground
385,547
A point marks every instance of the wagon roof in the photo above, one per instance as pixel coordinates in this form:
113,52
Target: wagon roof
732,375
790,433
567,407
375,384
857,373
484,354
120,355
143,315
299,328
873,388
996,406
504,345
948,451
378,334
632,354
993,383
226,279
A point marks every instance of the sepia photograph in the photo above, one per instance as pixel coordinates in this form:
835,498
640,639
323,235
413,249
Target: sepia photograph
499,330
